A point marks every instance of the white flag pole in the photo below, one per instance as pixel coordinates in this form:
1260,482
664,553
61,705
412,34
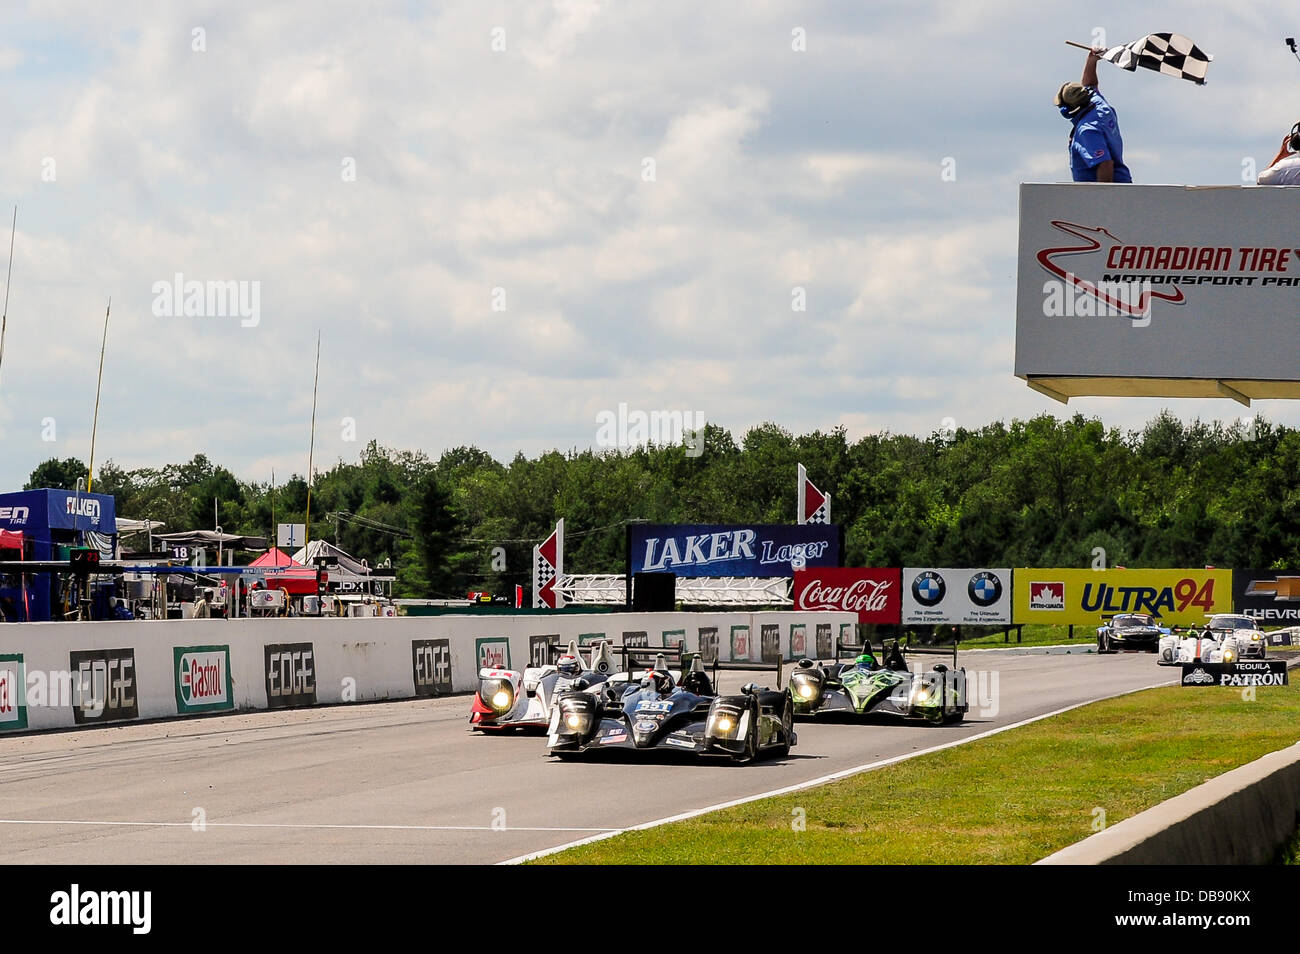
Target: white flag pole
559,561
537,588
799,505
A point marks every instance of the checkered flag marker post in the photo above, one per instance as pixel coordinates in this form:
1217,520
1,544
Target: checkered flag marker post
548,566
814,506
1169,53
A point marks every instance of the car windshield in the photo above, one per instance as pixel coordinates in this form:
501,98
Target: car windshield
1133,620
1232,622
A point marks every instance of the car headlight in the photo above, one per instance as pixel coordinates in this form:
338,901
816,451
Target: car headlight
576,716
724,722
1229,654
497,694
806,687
924,694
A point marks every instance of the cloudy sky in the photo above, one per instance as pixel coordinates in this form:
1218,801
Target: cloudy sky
507,217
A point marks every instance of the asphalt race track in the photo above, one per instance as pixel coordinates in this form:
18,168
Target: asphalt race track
407,781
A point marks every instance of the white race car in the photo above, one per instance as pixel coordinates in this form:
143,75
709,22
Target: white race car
1226,638
509,699
1242,630
1193,645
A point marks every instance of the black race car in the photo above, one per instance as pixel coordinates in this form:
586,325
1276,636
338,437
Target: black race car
663,713
1129,631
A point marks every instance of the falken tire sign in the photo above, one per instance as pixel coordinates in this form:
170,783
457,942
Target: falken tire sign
290,675
1246,672
202,675
934,596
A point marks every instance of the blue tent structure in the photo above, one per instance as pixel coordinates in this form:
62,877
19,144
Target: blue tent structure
52,522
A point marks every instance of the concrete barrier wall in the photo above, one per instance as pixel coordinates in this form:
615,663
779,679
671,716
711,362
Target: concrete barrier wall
55,675
1243,817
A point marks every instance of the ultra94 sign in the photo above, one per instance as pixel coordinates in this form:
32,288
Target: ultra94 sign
872,593
1071,596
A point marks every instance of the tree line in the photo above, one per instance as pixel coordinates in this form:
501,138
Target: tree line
1040,492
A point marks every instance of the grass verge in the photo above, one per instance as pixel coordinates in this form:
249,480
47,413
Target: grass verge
1036,636
1009,799
1291,853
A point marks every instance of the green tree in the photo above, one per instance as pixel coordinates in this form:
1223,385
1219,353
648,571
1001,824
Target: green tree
56,474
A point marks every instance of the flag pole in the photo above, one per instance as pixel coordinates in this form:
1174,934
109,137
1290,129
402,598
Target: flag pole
306,531
1082,46
94,427
4,318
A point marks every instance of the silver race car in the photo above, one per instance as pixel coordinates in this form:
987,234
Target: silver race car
510,699
1242,630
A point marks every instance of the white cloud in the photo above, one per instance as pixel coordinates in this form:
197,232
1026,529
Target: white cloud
523,170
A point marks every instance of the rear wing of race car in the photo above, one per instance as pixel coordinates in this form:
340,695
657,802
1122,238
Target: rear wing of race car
644,656
633,658
843,649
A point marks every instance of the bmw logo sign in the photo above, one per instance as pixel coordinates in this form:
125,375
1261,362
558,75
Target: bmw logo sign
985,589
928,588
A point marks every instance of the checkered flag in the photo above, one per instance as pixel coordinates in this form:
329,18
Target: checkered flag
548,566
1168,53
814,506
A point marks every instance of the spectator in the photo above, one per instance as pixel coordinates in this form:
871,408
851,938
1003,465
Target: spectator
202,608
121,611
1096,146
1285,167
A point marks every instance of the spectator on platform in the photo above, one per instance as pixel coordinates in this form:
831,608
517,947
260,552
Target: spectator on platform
1284,170
1096,146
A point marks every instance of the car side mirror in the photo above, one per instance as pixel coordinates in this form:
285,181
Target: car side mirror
749,688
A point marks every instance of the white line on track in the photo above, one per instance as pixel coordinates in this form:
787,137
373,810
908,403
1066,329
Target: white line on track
812,783
181,824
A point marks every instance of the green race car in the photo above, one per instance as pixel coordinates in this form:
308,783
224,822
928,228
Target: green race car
888,687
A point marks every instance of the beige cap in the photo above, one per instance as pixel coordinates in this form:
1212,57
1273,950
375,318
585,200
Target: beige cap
1072,95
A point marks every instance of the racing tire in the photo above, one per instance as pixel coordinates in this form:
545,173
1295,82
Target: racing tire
751,742
787,732
1103,646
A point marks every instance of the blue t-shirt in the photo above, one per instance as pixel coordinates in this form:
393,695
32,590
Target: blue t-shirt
1095,139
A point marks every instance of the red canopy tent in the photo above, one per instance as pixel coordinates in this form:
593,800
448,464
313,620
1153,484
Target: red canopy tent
13,540
295,579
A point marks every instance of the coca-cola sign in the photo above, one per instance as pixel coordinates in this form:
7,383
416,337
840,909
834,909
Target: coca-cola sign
872,593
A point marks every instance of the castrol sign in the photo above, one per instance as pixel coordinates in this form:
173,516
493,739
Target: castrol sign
872,593
202,676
